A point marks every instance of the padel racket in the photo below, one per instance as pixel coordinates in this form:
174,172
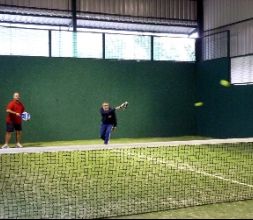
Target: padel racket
25,116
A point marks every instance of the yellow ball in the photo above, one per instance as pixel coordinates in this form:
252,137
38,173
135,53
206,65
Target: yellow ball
198,104
225,83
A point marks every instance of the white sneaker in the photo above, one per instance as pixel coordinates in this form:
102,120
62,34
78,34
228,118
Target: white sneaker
19,145
5,146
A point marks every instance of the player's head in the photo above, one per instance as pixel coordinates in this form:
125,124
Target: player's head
16,96
105,106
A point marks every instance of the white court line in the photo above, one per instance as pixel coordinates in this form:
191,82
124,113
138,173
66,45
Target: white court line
122,146
184,166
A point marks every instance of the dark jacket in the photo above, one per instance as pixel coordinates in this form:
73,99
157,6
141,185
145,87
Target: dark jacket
109,117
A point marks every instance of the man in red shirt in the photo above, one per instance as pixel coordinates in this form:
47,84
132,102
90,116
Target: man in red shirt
13,120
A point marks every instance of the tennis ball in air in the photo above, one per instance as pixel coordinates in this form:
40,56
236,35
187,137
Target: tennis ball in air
225,83
198,104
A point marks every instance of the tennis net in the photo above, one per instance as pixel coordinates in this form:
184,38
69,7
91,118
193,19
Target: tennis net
98,181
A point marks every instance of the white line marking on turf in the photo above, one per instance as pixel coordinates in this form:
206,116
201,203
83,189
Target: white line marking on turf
185,167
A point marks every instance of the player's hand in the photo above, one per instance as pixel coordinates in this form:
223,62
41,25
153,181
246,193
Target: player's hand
114,128
17,114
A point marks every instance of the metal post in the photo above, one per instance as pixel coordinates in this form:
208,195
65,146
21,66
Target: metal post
152,48
103,45
73,8
200,21
50,43
74,24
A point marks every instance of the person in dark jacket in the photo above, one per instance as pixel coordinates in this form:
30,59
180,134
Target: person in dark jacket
109,120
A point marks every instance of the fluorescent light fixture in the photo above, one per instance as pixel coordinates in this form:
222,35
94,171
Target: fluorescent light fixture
34,26
135,27
9,18
91,30
194,35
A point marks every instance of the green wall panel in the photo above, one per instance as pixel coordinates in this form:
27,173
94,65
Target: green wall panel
227,112
64,95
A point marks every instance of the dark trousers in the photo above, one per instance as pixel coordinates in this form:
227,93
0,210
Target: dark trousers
105,132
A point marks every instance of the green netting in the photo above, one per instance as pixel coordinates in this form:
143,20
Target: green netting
114,182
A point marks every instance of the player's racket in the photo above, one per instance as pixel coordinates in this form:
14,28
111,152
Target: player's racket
25,116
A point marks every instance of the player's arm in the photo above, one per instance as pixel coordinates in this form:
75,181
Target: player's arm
122,106
9,109
12,112
118,107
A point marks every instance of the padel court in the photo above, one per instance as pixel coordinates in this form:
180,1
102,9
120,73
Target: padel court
185,139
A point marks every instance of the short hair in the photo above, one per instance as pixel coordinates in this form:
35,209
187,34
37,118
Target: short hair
16,93
105,103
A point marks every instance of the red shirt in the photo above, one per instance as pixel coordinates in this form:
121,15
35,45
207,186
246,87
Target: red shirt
15,106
